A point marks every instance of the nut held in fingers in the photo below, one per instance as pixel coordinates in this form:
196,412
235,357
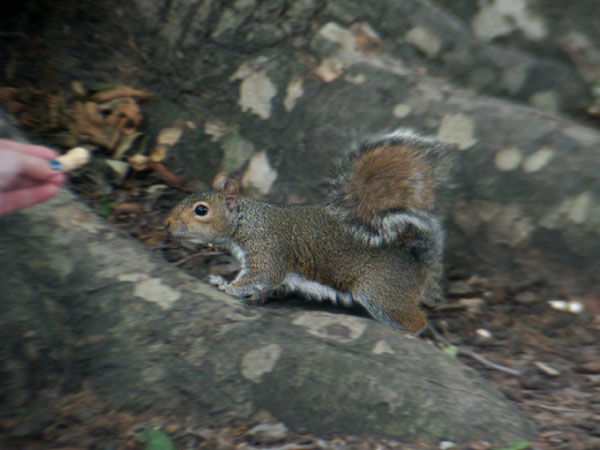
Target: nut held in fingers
73,159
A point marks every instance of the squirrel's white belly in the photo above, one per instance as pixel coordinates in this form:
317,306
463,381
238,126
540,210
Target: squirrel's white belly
293,282
315,290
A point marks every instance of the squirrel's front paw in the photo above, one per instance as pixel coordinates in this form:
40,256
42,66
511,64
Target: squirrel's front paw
249,294
234,291
255,300
218,281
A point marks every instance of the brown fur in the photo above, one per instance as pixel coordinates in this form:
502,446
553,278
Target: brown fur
387,178
408,315
346,245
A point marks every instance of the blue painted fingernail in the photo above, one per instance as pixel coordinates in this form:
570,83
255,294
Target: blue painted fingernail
55,165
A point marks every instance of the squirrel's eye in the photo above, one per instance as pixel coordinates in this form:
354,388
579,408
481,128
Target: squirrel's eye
201,210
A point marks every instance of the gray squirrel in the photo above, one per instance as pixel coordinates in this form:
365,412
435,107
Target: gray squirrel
374,242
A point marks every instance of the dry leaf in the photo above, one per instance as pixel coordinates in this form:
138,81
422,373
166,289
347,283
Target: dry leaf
105,124
216,129
167,176
78,88
120,92
546,369
472,305
89,125
158,154
120,167
156,189
139,162
125,144
131,208
125,114
169,136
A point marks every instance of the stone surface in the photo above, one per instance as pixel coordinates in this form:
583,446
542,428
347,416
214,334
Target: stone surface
204,355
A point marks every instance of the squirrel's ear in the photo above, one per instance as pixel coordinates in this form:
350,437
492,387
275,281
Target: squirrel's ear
220,181
231,194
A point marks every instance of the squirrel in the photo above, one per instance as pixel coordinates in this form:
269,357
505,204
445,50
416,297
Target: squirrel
373,242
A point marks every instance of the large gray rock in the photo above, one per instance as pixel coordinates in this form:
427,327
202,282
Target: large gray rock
81,302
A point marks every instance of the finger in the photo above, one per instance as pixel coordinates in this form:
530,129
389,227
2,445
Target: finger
58,179
23,182
15,200
29,149
16,164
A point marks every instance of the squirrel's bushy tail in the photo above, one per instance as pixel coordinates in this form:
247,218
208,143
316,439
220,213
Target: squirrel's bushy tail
385,191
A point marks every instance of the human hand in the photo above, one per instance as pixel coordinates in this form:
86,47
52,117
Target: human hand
26,177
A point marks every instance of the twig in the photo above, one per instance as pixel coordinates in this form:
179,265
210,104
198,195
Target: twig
187,258
203,252
436,334
555,408
489,363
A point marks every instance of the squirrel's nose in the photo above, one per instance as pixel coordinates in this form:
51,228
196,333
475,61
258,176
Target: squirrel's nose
175,227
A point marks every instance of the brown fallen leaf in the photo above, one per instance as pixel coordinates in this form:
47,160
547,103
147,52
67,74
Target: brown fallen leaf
158,154
119,168
125,143
216,129
89,125
120,92
77,87
105,124
130,208
140,162
167,176
169,136
124,114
